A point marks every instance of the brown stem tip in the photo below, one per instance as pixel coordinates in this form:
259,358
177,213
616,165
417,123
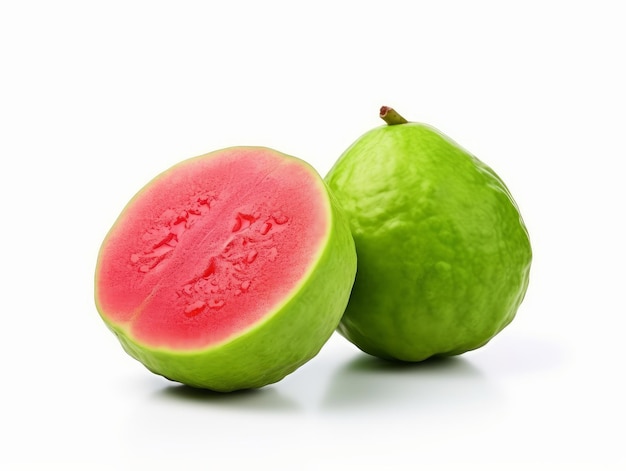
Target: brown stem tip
391,116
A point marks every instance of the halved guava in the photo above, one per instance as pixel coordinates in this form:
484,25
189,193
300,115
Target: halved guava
227,271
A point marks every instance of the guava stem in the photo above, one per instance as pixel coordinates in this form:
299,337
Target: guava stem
391,116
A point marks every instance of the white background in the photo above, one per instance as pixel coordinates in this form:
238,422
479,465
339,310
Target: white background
98,97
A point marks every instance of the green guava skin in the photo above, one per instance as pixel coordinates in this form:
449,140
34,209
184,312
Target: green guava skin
443,254
283,341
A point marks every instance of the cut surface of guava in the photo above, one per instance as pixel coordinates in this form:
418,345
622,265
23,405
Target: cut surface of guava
221,247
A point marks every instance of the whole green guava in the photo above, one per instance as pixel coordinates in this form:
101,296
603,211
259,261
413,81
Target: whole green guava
443,254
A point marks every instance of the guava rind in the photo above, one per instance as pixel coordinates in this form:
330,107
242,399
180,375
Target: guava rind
282,341
443,253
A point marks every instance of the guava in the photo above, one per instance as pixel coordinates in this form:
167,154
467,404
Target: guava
443,253
227,271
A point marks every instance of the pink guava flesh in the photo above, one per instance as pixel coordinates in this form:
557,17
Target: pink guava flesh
210,247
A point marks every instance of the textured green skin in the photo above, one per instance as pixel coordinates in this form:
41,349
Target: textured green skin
443,254
282,342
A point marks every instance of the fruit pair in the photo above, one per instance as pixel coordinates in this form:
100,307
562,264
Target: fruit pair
232,269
